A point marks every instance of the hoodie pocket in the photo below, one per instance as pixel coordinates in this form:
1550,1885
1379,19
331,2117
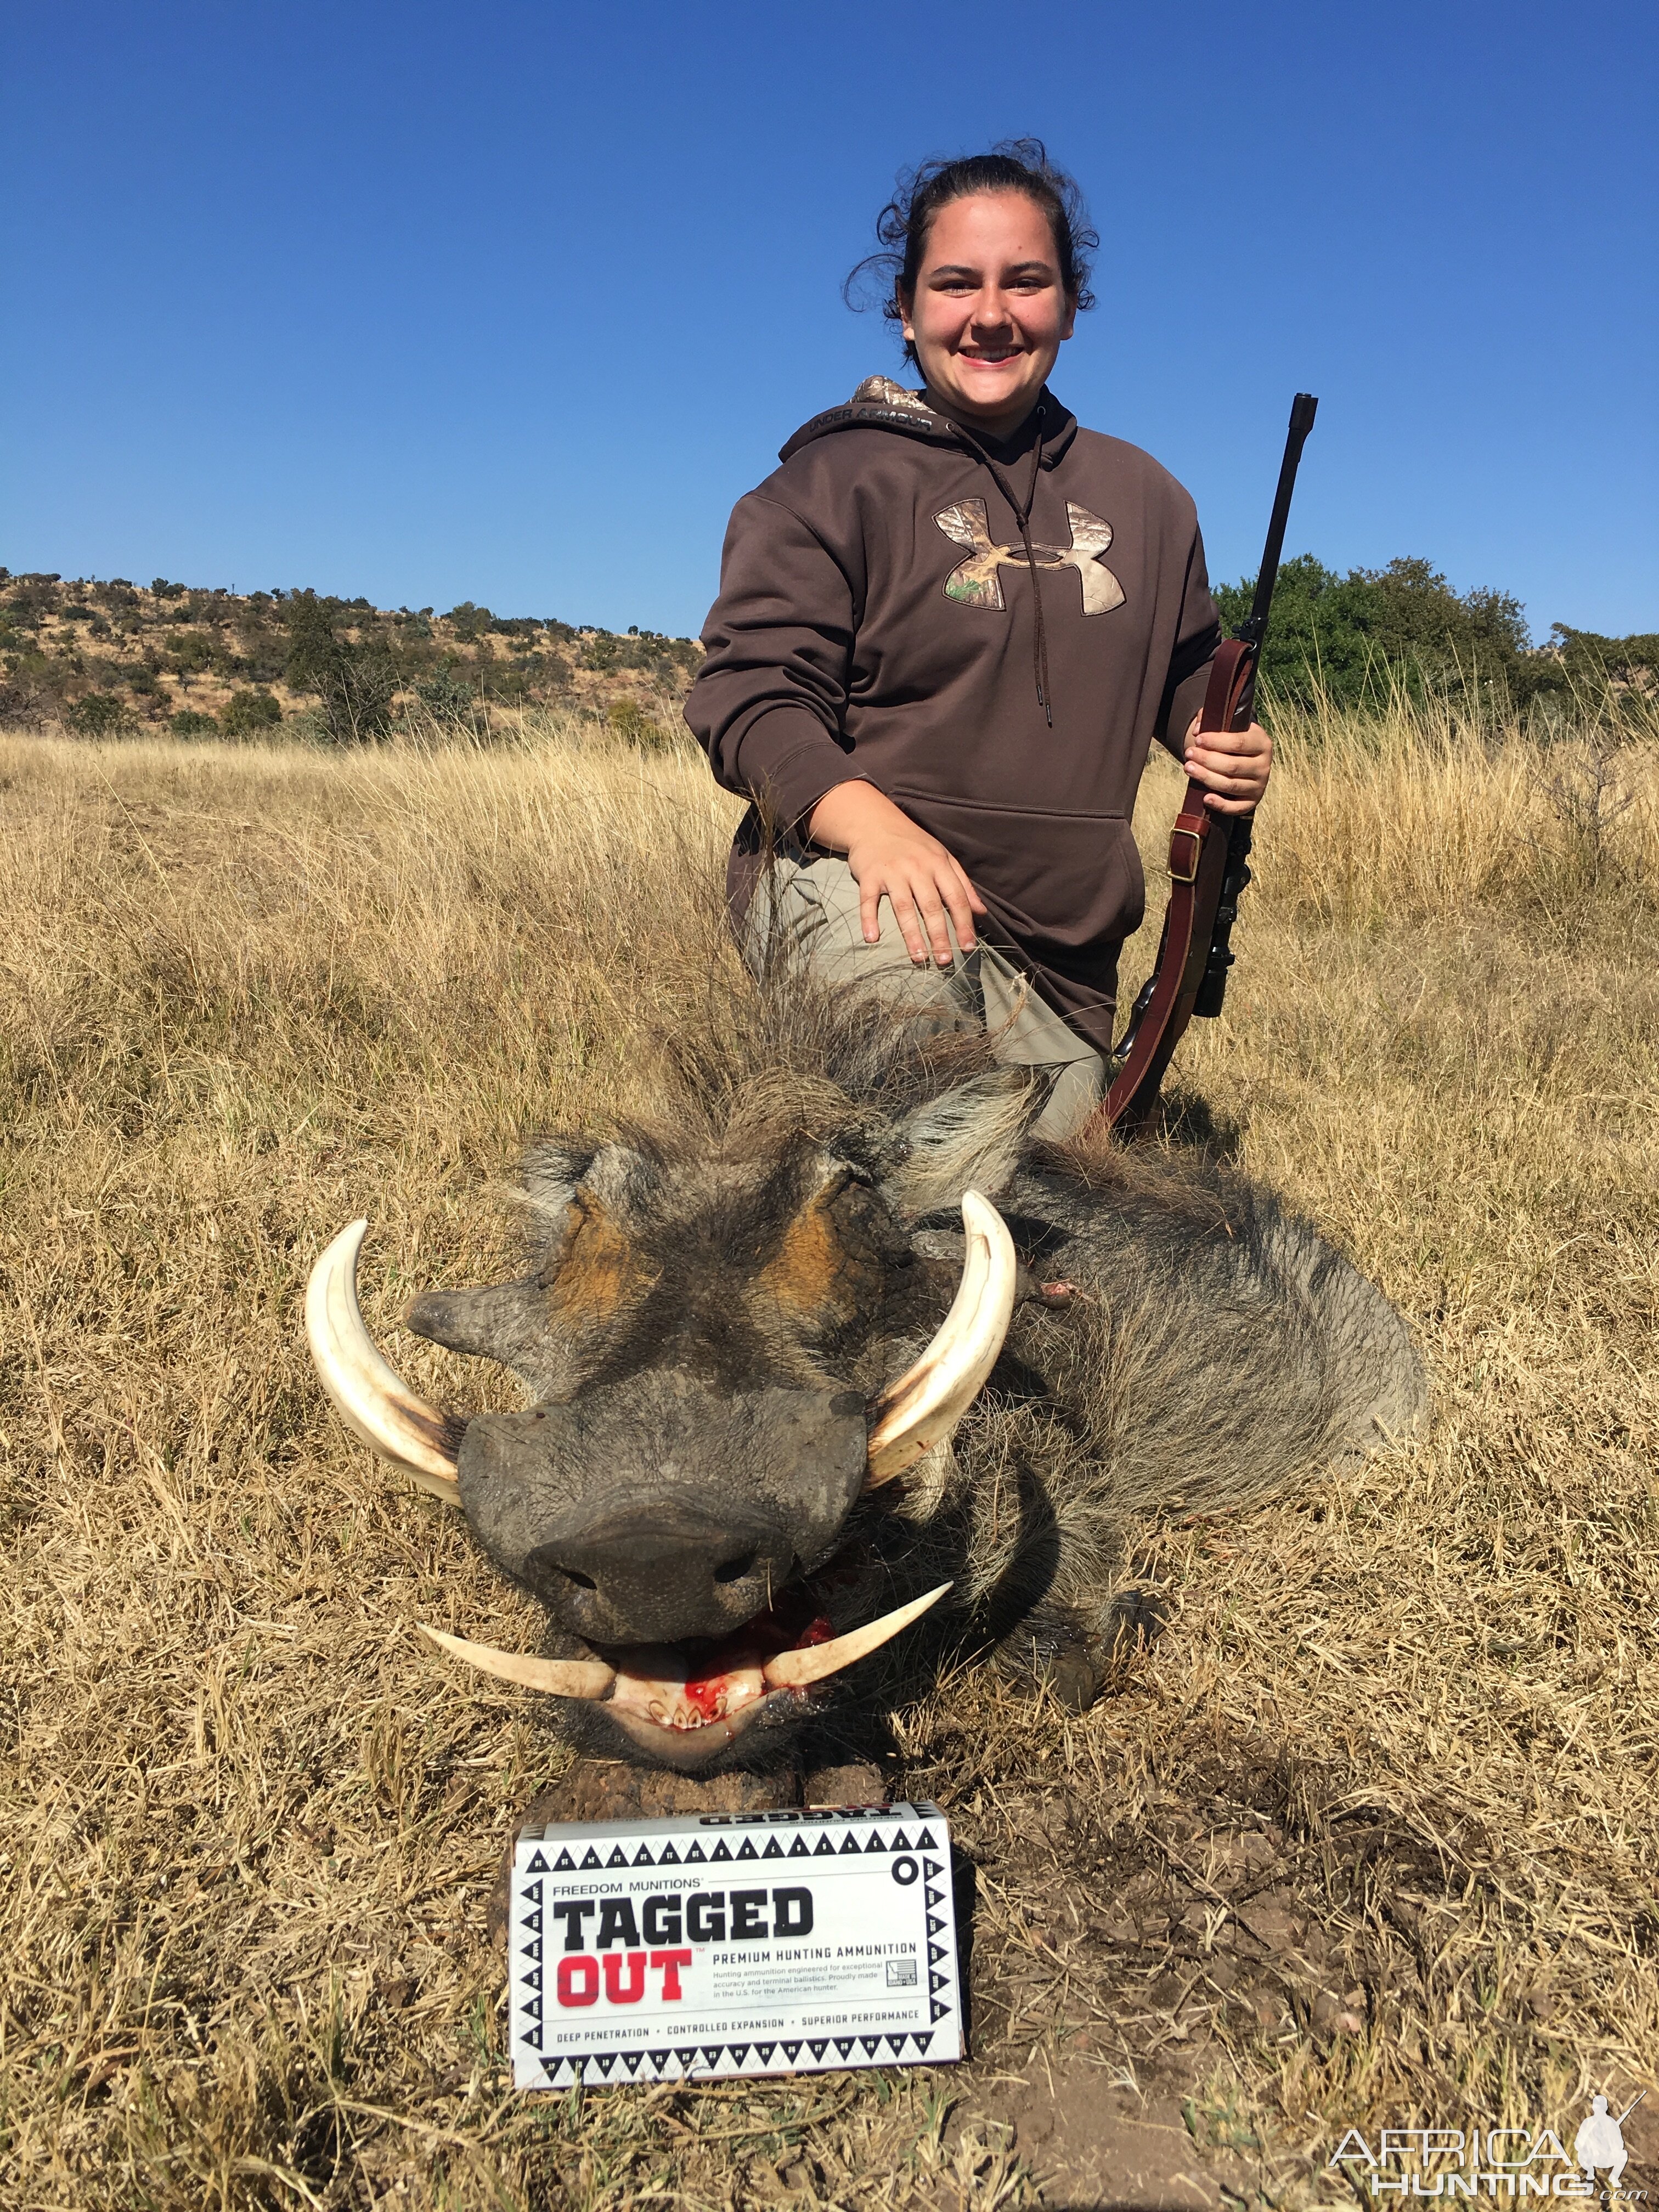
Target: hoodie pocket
1072,882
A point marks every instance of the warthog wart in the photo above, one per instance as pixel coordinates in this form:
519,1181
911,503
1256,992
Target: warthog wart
834,1342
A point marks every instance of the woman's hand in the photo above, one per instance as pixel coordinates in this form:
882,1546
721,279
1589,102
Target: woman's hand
894,858
1233,766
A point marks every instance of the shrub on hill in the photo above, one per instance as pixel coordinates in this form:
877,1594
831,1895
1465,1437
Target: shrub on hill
250,713
356,683
99,714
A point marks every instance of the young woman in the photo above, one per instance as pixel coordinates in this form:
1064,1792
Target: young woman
949,626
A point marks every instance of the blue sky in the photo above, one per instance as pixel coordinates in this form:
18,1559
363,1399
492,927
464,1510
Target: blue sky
509,302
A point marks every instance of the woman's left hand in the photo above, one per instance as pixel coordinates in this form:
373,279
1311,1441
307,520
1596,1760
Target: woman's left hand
1232,765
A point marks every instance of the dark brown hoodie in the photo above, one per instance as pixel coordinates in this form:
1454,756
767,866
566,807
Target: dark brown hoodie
877,620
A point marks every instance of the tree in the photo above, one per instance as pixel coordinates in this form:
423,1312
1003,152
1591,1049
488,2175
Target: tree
357,683
1353,639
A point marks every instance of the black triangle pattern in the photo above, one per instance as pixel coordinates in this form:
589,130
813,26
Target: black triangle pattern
695,1856
739,2052
936,1982
642,1857
935,1952
932,1867
538,1865
747,1850
798,1850
668,1855
632,2060
875,1843
850,1843
564,1863
719,1852
932,1896
940,2010
774,1849
532,2036
818,2050
844,2044
925,1841
605,2063
590,1858
826,1850
934,1926
900,1842
617,1858
532,1921
871,2045
532,1950
763,2052
791,2051
921,2042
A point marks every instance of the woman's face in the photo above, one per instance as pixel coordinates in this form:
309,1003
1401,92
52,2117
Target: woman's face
989,313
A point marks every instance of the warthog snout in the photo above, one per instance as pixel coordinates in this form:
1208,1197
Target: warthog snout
656,1508
660,1570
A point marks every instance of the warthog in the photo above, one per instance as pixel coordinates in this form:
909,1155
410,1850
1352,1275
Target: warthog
834,1339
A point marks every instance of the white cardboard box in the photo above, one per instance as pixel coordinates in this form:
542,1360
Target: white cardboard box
733,1943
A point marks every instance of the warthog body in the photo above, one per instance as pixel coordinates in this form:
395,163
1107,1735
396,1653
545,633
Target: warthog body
714,1304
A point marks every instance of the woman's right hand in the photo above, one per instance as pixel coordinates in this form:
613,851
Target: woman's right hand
894,858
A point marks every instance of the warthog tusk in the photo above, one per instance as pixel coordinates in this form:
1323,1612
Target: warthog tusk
794,1670
924,1406
374,1401
562,1678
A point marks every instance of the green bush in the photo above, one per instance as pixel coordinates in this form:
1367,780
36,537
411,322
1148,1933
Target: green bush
99,714
356,683
250,714
188,723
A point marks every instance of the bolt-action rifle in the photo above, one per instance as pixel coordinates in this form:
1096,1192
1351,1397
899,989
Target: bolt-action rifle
1209,854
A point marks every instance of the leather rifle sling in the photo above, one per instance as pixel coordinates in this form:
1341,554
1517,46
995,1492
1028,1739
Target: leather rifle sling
1198,862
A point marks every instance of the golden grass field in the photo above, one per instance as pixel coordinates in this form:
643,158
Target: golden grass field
1370,1838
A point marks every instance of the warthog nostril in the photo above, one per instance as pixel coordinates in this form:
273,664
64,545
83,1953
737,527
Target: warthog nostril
733,1571
582,1581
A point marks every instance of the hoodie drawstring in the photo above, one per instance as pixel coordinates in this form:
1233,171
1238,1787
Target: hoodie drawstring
1023,516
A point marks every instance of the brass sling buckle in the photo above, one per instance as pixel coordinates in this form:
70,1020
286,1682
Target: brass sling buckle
1185,846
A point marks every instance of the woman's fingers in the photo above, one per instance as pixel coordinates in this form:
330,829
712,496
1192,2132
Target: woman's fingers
1233,765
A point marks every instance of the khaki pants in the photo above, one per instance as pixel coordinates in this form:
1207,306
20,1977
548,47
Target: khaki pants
817,905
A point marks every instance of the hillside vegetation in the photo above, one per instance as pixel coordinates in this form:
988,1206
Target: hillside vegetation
114,659
1370,1837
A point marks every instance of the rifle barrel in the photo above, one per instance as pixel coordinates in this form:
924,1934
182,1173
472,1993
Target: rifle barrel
1303,410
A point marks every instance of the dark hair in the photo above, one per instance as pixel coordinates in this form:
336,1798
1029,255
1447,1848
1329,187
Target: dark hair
1013,165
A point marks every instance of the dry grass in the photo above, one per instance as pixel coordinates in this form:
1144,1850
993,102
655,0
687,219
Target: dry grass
1371,1835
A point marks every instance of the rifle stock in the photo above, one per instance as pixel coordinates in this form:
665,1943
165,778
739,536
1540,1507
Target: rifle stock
1209,854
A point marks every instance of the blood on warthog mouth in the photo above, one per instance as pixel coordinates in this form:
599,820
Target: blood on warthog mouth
708,1694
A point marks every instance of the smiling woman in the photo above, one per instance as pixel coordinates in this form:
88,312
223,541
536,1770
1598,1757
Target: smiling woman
923,672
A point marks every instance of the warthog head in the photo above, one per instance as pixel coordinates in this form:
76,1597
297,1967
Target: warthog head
726,1344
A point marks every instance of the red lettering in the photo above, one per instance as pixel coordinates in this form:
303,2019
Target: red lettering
614,1963
578,1980
670,1962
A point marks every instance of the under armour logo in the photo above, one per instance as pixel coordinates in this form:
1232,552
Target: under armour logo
974,582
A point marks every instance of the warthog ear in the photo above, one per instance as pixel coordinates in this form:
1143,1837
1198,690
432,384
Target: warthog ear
969,1138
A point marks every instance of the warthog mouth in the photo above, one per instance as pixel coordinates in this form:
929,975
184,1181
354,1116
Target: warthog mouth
685,1702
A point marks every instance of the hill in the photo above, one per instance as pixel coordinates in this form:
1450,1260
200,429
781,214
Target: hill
102,657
